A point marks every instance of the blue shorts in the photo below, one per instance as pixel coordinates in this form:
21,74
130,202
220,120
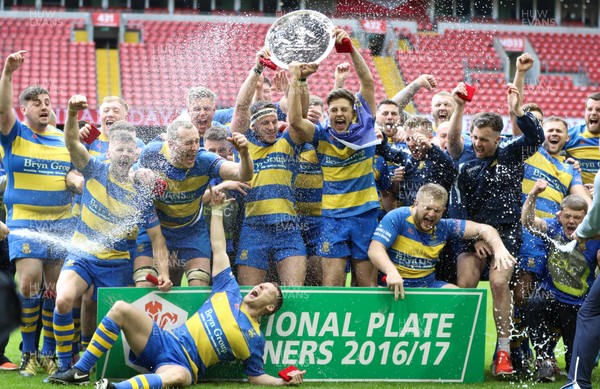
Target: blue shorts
532,255
24,246
187,242
261,243
162,348
347,237
101,273
311,233
423,282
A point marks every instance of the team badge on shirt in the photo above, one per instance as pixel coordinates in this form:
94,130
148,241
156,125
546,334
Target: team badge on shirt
244,255
26,249
325,247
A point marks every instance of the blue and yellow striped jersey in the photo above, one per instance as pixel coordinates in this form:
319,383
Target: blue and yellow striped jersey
271,199
583,146
560,177
308,183
100,145
222,331
181,203
110,212
36,164
415,253
348,179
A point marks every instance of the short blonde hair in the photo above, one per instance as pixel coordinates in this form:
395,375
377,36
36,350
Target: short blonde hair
110,99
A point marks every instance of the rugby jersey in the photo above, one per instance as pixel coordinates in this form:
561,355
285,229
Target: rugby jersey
271,198
348,179
36,164
308,183
583,146
560,278
181,203
560,177
221,330
414,252
110,211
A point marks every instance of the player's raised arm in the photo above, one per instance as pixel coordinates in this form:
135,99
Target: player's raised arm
220,260
528,218
241,113
79,154
7,116
455,145
301,129
367,83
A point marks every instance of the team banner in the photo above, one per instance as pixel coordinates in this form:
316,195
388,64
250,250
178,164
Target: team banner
337,334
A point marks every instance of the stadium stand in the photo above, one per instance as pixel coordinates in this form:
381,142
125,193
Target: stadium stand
175,56
55,62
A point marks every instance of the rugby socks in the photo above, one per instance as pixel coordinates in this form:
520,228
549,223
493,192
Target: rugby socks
30,314
49,343
63,332
504,344
77,330
85,341
146,381
104,338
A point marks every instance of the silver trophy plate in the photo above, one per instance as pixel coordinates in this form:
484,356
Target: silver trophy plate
303,36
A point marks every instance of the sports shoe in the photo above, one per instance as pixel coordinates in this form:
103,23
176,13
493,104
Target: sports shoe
29,365
572,385
104,384
546,371
48,364
73,376
7,365
502,365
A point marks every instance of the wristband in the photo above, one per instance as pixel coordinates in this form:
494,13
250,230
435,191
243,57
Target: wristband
217,210
303,79
258,70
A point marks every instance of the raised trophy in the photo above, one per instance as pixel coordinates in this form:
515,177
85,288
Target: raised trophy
303,36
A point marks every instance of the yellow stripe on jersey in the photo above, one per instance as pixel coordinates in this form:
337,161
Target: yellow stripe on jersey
308,208
261,152
34,212
190,184
205,349
275,177
268,207
330,150
309,181
26,149
39,182
344,173
417,249
83,243
254,323
116,207
100,224
550,193
348,200
230,327
178,210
